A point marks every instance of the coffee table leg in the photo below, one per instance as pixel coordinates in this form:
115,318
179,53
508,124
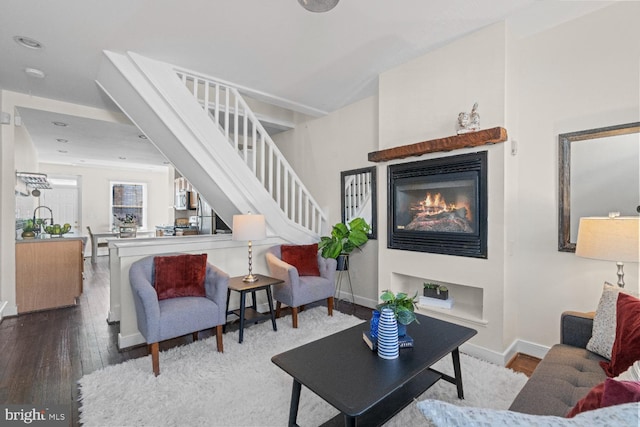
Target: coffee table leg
295,401
273,314
455,354
349,421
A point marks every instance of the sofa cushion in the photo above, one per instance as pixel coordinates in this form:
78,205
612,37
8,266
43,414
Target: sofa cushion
626,347
604,322
443,414
180,275
561,379
303,257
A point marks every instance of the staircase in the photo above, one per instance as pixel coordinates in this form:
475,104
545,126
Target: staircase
209,133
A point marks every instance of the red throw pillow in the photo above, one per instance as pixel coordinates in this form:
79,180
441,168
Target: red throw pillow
618,392
608,393
626,346
302,257
591,401
180,276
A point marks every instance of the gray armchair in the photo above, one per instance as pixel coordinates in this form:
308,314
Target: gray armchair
296,291
175,317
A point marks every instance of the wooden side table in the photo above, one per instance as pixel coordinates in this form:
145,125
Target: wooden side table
251,314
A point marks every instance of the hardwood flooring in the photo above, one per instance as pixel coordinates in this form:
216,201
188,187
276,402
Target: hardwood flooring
523,363
44,354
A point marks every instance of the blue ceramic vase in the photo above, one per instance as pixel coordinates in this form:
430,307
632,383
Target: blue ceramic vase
388,347
402,329
373,325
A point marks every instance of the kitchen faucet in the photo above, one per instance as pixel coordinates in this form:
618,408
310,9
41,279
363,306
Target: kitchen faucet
36,210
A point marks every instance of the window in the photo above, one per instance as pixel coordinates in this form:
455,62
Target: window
129,203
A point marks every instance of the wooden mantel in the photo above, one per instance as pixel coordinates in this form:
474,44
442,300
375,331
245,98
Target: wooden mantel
465,140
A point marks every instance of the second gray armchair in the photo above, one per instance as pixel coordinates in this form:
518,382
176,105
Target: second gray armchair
297,289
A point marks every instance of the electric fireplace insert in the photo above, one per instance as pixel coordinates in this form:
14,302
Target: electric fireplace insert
439,205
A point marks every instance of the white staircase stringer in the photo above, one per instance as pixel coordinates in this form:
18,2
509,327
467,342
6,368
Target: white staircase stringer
149,93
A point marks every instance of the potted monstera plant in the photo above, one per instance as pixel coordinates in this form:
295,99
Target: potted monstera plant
343,240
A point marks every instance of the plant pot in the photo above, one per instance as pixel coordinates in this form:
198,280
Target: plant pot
402,330
28,235
435,293
343,263
373,323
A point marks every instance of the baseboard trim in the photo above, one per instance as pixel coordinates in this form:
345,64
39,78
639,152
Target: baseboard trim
114,315
518,346
126,341
7,310
526,347
365,302
3,304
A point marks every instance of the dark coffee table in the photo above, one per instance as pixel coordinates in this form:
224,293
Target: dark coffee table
365,388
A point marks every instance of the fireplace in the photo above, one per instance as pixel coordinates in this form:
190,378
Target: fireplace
439,205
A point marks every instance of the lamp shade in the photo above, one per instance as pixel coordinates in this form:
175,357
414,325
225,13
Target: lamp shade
609,239
249,227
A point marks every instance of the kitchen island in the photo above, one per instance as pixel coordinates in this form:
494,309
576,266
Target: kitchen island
48,273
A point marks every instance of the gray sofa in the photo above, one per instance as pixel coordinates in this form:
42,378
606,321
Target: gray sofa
566,374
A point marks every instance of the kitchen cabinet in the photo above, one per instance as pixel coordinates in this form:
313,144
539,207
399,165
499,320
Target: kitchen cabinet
48,273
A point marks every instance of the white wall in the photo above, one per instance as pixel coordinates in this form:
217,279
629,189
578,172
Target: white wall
578,75
96,197
318,150
419,101
581,75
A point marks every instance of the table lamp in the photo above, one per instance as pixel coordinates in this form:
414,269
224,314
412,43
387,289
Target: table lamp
612,238
248,228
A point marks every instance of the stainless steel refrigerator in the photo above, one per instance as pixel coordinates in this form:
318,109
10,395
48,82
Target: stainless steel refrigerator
205,217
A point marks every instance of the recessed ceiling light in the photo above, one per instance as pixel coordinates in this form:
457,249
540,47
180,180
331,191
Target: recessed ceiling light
28,42
141,136
64,141
34,72
61,124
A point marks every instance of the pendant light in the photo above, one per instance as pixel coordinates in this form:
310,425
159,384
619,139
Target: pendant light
318,5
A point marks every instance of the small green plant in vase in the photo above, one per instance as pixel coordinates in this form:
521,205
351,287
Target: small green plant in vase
28,229
403,307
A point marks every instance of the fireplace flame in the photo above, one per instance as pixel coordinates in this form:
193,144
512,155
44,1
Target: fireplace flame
434,204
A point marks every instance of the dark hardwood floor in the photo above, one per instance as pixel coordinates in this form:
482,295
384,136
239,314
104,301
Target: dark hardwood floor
44,354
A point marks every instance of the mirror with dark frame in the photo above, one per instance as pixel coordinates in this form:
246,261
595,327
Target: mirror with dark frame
358,197
598,173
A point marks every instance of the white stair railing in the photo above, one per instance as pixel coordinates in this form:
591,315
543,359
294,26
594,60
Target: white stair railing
357,192
227,108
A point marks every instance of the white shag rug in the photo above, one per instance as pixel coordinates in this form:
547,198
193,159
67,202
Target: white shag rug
198,386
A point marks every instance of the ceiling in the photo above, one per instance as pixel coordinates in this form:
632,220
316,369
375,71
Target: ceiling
318,62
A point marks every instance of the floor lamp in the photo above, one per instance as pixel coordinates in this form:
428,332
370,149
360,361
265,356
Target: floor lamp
612,238
248,228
